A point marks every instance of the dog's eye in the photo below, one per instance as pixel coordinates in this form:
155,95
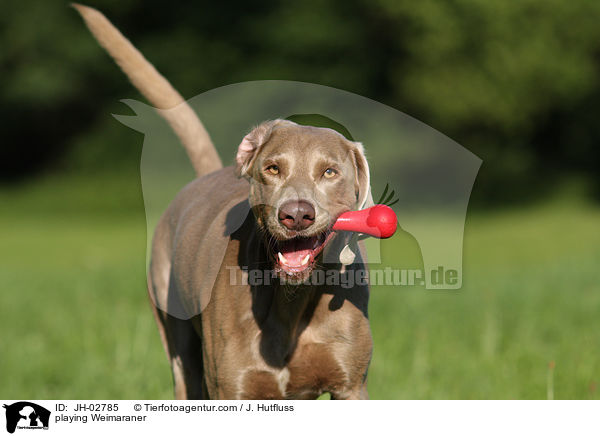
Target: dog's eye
329,173
273,169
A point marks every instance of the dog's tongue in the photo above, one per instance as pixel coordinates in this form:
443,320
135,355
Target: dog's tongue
295,251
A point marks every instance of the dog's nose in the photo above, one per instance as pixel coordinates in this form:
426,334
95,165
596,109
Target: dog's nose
297,215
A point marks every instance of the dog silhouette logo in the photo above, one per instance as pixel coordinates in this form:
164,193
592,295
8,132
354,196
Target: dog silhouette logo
26,415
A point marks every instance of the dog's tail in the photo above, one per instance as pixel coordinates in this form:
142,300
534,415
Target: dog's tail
180,116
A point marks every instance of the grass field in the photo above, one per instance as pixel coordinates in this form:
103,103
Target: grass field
76,323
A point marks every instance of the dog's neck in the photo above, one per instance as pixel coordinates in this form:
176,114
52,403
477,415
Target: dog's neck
285,312
289,313
282,311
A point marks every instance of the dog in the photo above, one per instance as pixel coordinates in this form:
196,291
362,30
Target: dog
285,338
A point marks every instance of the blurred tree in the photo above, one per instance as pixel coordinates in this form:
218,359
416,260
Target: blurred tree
505,79
515,82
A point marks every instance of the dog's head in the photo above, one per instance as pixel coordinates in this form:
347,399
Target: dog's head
302,179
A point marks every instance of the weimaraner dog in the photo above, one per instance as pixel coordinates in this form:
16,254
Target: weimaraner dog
286,338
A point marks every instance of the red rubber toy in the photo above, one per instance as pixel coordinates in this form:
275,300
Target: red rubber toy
379,221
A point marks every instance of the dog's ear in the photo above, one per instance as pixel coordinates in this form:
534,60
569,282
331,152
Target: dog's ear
363,176
251,144
364,199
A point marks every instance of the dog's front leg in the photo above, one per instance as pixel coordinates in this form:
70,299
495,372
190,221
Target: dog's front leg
357,393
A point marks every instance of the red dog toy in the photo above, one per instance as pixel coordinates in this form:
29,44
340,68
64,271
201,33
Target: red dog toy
379,221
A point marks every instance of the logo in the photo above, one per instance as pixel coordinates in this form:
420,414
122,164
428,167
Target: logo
26,415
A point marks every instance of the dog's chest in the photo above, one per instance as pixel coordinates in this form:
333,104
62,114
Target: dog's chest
313,368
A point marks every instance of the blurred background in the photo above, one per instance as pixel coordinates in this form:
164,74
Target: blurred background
516,83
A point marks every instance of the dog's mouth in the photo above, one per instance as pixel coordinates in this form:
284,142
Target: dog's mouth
296,256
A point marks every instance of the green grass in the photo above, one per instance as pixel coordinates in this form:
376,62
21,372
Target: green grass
75,318
76,322
531,296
